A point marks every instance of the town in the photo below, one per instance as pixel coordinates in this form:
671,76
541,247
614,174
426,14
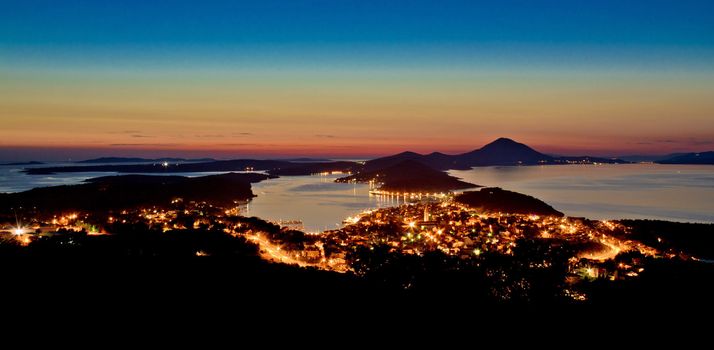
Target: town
596,249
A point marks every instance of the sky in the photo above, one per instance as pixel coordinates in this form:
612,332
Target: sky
353,78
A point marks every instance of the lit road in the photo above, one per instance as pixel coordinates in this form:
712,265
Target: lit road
612,252
272,252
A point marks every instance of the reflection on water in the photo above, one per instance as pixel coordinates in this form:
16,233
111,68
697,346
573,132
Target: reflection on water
12,179
647,191
318,201
667,192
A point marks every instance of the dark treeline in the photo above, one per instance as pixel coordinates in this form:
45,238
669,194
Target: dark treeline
495,200
130,191
140,263
690,238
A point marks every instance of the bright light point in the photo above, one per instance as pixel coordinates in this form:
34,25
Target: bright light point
166,164
18,231
477,252
412,224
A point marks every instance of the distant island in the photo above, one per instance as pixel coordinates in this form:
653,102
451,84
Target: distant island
277,167
127,191
109,160
307,160
690,158
409,176
674,158
497,200
648,158
23,163
502,151
498,247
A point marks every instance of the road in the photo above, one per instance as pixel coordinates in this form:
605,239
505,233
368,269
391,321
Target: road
272,252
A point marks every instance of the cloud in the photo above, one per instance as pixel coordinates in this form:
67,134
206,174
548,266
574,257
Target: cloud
210,136
144,144
139,136
326,136
124,132
242,144
242,134
686,141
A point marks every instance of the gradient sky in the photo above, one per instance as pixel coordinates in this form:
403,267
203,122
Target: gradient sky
353,78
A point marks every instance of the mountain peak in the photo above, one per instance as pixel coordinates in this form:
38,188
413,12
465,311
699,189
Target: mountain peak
407,153
381,163
504,139
504,142
504,151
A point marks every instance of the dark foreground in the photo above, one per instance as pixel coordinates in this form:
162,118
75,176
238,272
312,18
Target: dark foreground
142,270
164,245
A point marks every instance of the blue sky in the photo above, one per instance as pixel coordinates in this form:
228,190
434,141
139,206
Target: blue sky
132,30
599,77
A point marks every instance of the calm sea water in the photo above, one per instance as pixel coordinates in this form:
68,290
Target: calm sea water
644,191
12,179
318,201
667,192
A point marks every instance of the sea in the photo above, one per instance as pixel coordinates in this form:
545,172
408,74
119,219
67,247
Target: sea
683,193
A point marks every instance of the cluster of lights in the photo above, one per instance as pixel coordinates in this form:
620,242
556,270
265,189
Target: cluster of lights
408,194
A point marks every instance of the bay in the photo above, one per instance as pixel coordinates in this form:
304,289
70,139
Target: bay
610,191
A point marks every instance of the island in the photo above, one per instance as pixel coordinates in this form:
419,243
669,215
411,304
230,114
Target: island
497,200
503,151
409,176
116,235
275,166
690,158
130,191
109,160
22,163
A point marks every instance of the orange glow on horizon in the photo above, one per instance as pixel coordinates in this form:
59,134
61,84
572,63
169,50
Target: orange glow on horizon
351,114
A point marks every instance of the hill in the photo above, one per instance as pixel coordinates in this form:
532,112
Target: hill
23,163
275,166
690,158
410,176
109,160
116,192
296,169
502,151
648,158
494,199
691,238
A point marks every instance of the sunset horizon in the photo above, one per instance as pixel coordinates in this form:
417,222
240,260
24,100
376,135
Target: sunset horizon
310,157
355,79
65,153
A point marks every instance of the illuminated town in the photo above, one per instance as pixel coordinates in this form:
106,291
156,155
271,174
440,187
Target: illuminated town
432,224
